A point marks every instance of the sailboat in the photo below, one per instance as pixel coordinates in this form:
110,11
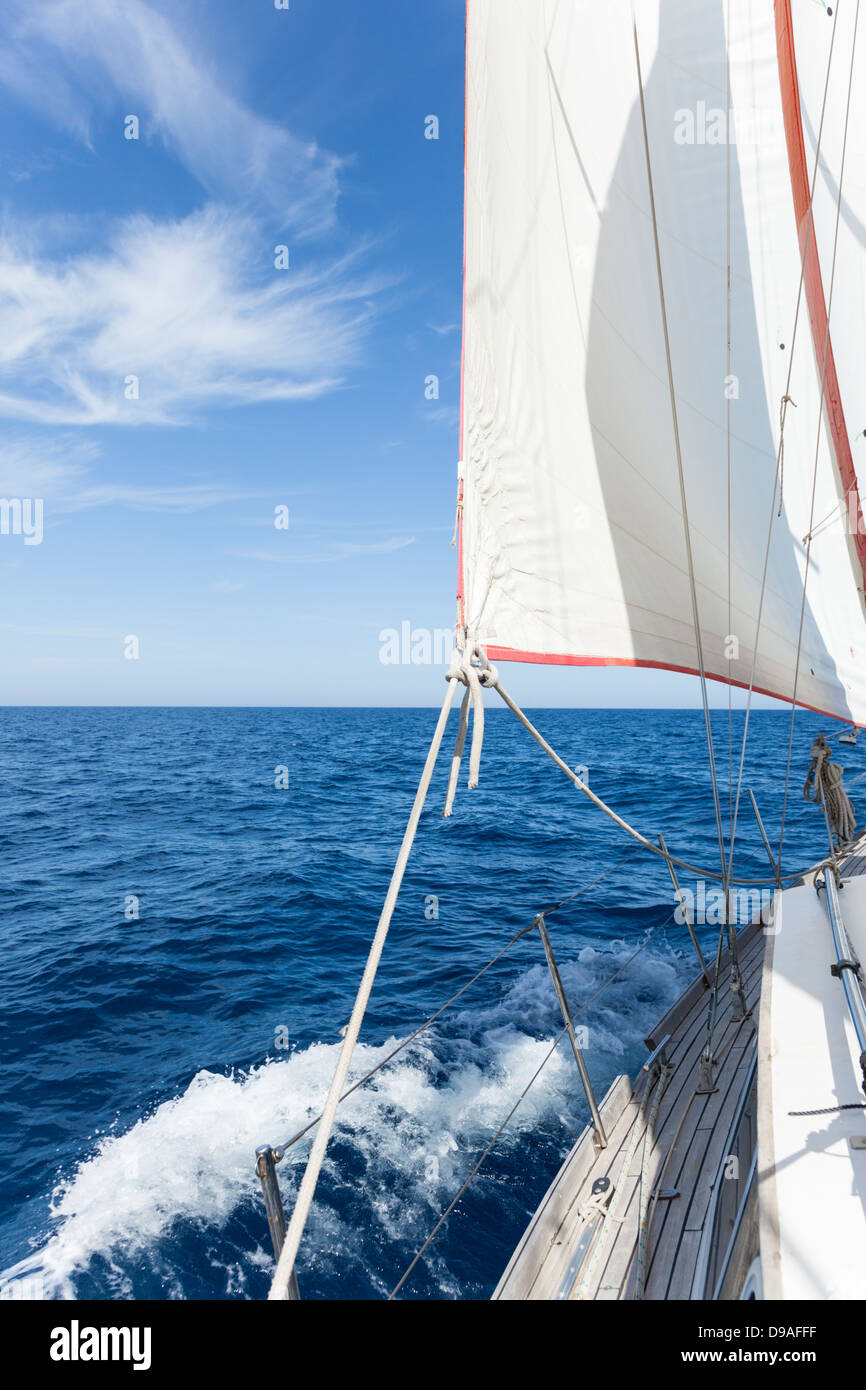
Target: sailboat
664,314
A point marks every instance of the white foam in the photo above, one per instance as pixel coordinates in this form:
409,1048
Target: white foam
193,1157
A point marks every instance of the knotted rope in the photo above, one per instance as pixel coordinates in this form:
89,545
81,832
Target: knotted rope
473,678
825,777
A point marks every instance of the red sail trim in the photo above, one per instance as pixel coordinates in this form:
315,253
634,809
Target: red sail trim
554,659
819,322
813,281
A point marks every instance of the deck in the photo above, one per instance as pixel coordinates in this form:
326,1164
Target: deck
691,1132
806,1145
565,1254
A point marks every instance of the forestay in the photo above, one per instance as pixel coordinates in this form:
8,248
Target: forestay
572,543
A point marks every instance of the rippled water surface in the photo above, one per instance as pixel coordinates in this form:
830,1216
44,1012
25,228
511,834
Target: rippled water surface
146,1058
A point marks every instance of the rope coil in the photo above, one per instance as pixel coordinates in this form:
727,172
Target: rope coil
824,782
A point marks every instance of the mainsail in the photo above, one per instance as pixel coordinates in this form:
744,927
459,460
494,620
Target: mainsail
573,543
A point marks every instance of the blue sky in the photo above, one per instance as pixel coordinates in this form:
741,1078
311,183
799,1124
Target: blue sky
255,387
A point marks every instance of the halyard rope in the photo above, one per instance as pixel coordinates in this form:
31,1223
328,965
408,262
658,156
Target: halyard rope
285,1266
496,684
457,755
470,675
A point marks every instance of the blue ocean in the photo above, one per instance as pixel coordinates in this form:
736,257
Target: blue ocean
188,897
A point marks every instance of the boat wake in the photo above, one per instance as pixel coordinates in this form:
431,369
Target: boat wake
181,1181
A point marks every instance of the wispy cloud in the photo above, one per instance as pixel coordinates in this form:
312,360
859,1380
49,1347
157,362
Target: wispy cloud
63,56
162,319
340,551
441,415
183,307
60,470
44,467
100,634
229,586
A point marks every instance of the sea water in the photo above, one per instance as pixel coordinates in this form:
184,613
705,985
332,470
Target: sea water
187,900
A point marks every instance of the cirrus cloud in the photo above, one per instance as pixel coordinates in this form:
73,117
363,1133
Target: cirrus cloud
63,57
186,307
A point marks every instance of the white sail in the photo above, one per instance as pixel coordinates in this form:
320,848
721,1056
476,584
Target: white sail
572,545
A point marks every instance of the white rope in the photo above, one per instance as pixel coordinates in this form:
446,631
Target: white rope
825,779
286,1264
474,686
457,756
490,679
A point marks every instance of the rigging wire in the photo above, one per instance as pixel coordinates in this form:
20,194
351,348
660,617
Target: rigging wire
820,419
679,457
786,400
279,1151
496,684
523,1094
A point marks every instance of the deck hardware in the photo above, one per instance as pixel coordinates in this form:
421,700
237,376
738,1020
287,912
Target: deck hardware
858,1141
666,1194
739,1011
852,980
687,916
266,1169
599,1138
591,1214
838,966
707,1085
657,1057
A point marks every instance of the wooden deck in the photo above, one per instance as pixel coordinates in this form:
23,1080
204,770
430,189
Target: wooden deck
855,864
566,1256
689,1141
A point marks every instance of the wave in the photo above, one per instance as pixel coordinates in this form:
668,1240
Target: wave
403,1143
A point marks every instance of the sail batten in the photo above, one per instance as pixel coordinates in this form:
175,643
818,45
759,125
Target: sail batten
571,538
